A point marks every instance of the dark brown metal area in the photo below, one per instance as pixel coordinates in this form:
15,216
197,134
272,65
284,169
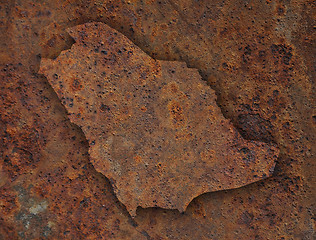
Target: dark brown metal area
258,57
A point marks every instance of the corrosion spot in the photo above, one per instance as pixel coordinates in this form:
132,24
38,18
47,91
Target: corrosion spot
76,84
104,108
176,113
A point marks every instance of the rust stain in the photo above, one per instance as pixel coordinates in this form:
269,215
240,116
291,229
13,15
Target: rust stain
143,151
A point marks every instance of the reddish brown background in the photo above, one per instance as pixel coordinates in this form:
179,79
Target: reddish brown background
259,57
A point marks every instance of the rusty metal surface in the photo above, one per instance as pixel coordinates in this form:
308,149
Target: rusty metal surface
258,56
153,127
42,193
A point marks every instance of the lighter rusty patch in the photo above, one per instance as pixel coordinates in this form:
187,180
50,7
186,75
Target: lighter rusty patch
176,114
151,161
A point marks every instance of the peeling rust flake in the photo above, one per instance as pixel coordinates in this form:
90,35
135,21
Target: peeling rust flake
153,127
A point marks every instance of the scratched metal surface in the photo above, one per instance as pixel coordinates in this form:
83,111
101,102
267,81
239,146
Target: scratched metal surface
258,56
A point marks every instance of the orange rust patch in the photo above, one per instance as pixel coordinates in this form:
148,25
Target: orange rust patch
143,109
176,114
138,159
